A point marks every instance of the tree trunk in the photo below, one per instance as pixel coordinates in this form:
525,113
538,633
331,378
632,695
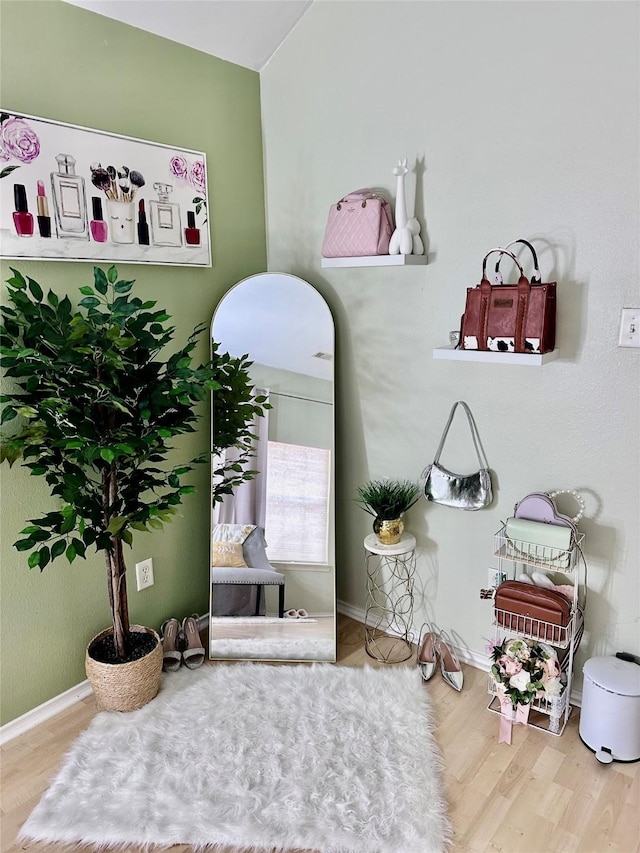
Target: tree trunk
117,581
116,570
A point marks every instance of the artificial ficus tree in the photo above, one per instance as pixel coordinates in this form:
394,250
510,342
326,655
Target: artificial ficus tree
92,406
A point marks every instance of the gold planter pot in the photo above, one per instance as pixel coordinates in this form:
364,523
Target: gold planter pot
388,532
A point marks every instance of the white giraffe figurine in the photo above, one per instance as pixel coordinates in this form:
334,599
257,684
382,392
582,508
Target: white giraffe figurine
405,240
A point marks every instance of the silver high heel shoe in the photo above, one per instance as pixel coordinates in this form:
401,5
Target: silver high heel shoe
449,663
427,652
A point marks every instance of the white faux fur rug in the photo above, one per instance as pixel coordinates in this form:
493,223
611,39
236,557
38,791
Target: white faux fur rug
319,757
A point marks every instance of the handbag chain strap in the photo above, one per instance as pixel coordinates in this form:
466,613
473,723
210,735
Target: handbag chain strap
474,434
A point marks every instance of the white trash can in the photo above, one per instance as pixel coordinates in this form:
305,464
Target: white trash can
610,713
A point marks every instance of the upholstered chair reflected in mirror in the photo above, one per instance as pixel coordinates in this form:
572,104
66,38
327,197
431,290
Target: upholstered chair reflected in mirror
257,572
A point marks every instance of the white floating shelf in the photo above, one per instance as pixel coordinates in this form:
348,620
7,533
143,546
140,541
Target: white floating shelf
377,261
529,359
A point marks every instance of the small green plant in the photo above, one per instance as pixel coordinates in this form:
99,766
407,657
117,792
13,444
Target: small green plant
93,405
388,499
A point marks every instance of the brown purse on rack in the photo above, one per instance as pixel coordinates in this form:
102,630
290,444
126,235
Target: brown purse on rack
533,610
517,317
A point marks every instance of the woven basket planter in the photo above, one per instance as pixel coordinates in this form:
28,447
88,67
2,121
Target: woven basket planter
125,686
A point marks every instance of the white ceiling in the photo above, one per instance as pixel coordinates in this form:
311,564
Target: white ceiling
246,32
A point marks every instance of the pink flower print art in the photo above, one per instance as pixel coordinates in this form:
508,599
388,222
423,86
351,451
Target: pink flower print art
179,168
18,141
192,174
197,176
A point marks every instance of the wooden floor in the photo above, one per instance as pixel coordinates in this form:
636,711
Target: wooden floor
542,794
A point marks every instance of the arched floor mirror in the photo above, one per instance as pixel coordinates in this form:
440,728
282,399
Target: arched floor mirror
279,603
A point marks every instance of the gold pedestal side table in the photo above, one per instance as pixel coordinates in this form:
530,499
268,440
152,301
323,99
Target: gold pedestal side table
389,609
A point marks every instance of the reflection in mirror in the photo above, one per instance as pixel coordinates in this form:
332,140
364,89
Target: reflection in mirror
272,541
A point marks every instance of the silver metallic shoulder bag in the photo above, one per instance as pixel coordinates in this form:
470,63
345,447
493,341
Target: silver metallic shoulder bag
461,491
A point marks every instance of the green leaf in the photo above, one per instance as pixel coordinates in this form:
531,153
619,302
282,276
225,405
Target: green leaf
123,287
68,524
98,277
57,548
34,559
156,523
107,454
127,536
112,275
24,544
89,302
52,299
7,170
79,546
86,290
71,553
44,556
36,290
116,524
8,414
74,443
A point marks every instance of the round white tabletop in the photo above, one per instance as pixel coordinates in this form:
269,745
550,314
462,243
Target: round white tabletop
407,543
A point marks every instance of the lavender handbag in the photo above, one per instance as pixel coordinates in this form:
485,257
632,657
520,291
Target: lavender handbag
360,224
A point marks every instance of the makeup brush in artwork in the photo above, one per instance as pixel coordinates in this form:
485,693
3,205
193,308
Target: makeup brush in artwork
120,187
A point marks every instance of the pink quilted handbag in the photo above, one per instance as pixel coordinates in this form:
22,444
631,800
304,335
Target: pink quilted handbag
360,224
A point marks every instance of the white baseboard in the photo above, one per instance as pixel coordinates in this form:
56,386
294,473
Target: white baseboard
59,703
44,712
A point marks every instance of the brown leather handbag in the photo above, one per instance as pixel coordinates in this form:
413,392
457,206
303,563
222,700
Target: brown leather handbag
541,613
517,317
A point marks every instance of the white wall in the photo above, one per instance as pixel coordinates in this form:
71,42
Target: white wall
523,120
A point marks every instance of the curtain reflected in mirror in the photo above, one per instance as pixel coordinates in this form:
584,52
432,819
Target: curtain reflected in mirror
272,540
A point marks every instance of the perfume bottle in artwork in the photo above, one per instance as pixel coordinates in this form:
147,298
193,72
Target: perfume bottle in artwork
69,200
166,229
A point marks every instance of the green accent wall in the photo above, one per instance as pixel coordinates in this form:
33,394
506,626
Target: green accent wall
61,62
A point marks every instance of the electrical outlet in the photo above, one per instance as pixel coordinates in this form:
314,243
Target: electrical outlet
144,574
629,328
496,577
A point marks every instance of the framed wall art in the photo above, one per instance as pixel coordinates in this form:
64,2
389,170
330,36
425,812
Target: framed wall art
68,193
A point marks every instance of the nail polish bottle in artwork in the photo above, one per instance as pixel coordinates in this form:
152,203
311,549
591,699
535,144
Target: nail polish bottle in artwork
22,219
99,229
191,233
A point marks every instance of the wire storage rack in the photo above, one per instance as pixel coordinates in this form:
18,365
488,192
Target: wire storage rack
549,714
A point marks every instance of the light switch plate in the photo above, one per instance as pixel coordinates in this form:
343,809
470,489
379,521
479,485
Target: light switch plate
629,328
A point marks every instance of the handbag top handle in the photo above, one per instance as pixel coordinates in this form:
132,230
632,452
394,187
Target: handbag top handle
474,435
502,252
536,278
